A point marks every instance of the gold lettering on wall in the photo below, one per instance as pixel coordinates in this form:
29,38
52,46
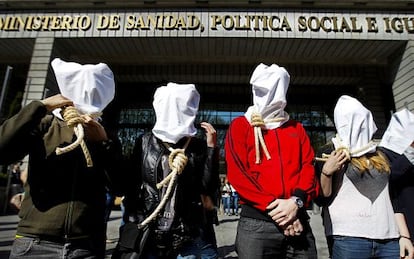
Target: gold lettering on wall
163,22
250,23
329,24
45,23
111,22
314,23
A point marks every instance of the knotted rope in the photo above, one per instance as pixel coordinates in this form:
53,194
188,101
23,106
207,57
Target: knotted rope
258,123
177,160
325,157
349,153
74,120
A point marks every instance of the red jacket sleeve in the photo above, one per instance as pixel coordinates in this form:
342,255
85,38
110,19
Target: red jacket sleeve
308,185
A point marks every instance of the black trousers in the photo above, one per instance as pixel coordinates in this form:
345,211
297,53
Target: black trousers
263,239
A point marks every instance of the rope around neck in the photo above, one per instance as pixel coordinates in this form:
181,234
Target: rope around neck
345,149
258,123
325,156
73,120
177,160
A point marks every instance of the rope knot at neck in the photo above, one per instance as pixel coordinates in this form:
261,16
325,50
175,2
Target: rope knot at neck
257,120
177,160
346,151
325,156
74,120
257,123
71,116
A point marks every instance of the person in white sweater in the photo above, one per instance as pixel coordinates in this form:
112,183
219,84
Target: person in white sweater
358,214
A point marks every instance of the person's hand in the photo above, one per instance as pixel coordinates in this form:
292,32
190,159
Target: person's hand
207,202
56,101
211,134
16,200
283,211
334,163
406,248
94,131
294,229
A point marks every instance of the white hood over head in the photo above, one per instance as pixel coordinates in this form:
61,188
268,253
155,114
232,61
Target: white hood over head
269,87
400,132
176,107
90,87
355,127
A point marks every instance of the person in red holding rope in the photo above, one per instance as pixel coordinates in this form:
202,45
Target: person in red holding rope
270,164
62,213
169,206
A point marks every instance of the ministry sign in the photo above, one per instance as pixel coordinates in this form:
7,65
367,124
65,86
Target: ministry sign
220,24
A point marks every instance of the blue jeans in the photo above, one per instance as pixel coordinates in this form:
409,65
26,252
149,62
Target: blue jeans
198,249
34,248
108,205
226,204
122,213
235,199
363,248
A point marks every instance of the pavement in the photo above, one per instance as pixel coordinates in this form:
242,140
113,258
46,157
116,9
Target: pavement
225,233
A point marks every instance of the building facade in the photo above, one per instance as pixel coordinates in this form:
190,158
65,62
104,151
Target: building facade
361,48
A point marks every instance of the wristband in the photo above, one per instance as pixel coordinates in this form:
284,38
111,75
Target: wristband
405,237
327,175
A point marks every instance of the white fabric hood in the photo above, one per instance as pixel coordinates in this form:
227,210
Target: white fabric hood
176,107
355,127
269,86
400,132
90,87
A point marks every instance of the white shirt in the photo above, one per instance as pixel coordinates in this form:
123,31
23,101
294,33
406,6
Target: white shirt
353,214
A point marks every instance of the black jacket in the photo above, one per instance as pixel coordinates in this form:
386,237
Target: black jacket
199,177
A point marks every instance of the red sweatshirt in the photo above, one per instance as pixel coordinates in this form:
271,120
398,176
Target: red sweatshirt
289,172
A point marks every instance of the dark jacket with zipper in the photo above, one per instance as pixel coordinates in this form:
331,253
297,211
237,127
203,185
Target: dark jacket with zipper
64,199
199,177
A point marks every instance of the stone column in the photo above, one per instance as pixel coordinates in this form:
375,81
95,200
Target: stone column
403,86
36,78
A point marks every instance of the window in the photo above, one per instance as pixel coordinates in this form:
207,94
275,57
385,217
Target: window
134,122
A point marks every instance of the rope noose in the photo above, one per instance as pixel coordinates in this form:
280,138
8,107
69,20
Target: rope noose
345,149
73,119
325,157
177,160
342,148
258,123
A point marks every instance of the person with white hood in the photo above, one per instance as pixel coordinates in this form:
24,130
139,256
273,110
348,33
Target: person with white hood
169,208
398,144
70,159
270,164
358,213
